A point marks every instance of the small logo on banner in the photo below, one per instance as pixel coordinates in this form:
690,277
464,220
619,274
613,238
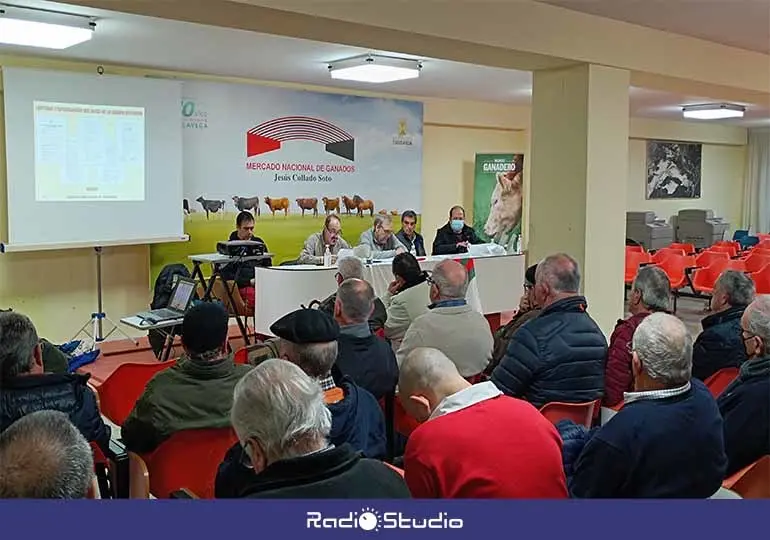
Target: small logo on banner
269,136
371,520
403,138
193,117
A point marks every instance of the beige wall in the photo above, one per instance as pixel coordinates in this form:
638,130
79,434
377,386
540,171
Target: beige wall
722,168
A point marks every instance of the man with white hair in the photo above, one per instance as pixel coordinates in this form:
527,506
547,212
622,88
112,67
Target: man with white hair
666,441
745,403
559,355
44,456
650,293
283,425
353,268
474,441
720,345
380,239
451,325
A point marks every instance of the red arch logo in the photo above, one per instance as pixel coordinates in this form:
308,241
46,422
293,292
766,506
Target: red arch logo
269,136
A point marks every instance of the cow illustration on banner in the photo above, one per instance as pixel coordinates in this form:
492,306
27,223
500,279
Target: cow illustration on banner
291,158
498,198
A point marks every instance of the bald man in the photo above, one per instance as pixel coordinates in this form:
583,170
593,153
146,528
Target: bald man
560,354
451,325
474,441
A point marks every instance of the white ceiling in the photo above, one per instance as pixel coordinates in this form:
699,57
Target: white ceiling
171,45
738,23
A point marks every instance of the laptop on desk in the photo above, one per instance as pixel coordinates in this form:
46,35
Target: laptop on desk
181,297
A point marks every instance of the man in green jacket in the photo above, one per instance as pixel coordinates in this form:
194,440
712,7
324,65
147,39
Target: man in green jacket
196,393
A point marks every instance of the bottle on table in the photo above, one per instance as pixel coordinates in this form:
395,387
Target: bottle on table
327,256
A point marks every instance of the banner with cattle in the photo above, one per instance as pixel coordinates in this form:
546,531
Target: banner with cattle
497,198
291,157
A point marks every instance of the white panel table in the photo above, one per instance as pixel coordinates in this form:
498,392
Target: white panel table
283,289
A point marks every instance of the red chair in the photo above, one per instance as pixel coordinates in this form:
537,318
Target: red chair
241,356
762,280
706,258
731,250
663,254
188,459
120,391
633,260
756,261
636,249
704,279
752,482
689,249
580,413
736,264
760,251
719,380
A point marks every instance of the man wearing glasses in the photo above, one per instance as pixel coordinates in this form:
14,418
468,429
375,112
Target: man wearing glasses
382,243
315,246
745,403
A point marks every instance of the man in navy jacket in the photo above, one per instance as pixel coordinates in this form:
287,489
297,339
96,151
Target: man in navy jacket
666,441
559,355
745,403
720,346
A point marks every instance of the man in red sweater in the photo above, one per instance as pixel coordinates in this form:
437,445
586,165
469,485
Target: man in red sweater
651,292
474,441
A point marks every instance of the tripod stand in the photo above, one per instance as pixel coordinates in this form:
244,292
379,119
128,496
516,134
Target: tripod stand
96,322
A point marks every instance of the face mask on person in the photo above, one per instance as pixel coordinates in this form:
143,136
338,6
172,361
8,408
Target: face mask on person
457,225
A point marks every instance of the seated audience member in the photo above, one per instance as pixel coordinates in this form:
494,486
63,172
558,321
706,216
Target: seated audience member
25,387
367,359
650,292
283,426
474,441
407,297
666,441
382,243
196,392
315,246
353,268
720,345
528,310
558,356
43,456
309,339
408,236
455,236
243,272
451,325
745,403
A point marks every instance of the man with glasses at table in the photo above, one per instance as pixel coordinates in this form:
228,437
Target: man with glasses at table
745,403
315,246
382,243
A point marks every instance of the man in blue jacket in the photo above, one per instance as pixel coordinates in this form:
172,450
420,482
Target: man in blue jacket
559,355
666,441
745,403
720,345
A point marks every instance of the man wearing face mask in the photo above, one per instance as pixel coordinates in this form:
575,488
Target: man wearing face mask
455,236
458,452
283,426
745,403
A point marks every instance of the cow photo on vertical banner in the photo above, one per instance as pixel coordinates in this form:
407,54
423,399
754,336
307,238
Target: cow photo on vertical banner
673,170
498,198
290,158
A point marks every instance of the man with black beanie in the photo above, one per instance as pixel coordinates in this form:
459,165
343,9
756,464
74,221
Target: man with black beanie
196,392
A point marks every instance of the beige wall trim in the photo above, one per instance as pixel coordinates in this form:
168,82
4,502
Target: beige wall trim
470,126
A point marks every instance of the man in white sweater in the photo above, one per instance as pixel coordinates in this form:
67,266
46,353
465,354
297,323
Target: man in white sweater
451,325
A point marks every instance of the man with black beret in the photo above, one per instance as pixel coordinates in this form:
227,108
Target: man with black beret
194,393
308,338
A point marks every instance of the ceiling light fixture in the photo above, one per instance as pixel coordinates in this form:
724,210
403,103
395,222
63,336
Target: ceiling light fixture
372,68
714,111
32,27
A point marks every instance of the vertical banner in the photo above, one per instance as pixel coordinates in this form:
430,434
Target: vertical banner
290,158
497,198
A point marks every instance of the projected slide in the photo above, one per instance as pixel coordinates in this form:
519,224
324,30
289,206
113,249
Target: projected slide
88,152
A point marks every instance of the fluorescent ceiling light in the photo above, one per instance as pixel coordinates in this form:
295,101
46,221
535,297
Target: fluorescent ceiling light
375,69
41,28
715,111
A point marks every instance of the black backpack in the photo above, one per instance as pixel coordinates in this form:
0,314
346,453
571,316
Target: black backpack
164,284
